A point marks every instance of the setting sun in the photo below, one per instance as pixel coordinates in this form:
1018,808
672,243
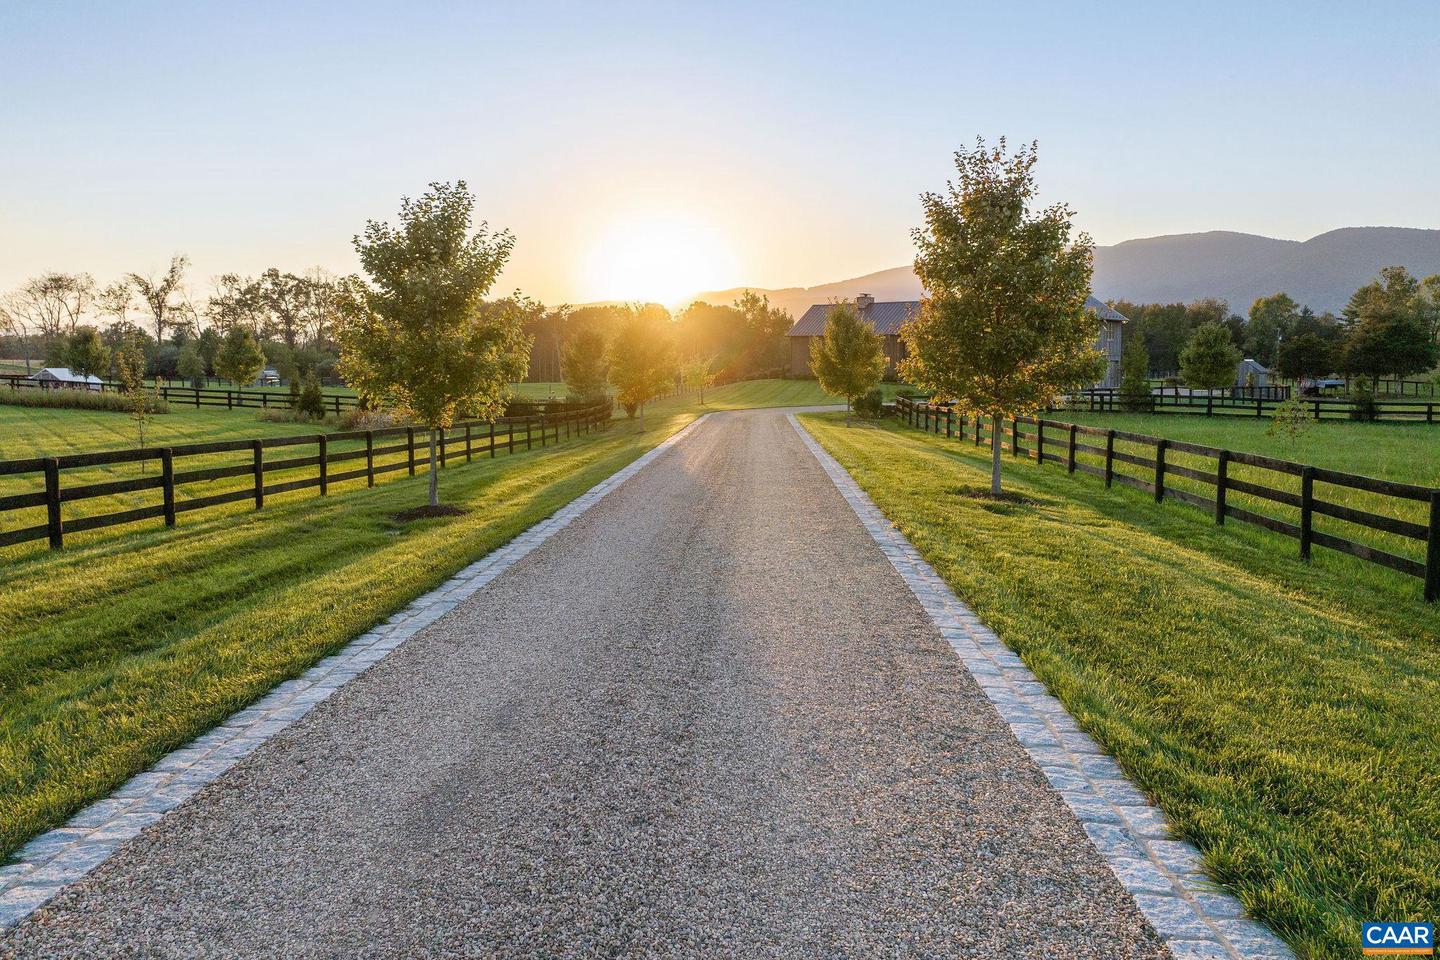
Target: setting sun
658,257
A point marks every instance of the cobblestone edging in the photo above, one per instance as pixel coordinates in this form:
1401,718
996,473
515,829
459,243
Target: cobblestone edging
60,857
1195,918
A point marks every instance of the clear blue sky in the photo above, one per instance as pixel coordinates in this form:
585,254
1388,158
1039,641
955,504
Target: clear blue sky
782,143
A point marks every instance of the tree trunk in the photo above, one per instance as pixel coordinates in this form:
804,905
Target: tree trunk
434,474
995,432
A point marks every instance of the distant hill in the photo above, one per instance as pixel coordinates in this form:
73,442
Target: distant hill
1320,272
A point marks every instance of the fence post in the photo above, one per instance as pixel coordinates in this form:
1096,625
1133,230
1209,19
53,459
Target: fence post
529,444
257,453
492,439
410,448
544,429
1307,510
468,457
1014,437
1070,456
369,458
442,448
337,404
1160,447
510,435
324,470
949,423
1039,440
52,503
229,400
167,476
1109,456
1432,551
1222,483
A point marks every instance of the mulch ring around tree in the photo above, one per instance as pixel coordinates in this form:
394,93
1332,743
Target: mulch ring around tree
427,512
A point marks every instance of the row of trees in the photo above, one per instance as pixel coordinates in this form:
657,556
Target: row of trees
1389,327
56,317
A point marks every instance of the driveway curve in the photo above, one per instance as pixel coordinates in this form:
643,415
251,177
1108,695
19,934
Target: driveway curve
707,718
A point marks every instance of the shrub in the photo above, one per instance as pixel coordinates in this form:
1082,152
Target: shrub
312,401
78,400
1290,421
869,405
1362,399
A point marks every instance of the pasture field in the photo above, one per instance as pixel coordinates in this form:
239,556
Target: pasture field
1286,716
1408,452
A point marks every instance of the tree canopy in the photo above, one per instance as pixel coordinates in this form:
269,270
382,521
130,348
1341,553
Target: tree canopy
849,359
642,361
1002,327
417,331
1210,359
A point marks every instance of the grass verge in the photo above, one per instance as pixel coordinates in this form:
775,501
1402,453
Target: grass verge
119,650
1286,716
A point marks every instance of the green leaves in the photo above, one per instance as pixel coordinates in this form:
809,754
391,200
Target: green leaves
849,359
420,334
1209,360
1003,326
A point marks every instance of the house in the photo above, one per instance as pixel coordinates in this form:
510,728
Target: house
269,377
888,318
63,378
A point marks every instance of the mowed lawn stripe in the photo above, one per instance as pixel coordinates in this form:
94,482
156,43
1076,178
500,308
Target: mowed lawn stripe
1286,716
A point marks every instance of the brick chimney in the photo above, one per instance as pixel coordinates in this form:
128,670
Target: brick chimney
863,302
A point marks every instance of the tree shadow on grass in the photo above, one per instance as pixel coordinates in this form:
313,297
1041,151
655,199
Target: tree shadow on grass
1005,502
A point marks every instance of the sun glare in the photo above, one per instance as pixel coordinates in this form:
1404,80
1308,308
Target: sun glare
659,258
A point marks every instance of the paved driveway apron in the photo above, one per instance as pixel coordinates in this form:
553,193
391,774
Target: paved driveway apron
705,719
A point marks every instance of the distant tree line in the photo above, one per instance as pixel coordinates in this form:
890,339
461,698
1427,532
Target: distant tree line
1389,328
68,320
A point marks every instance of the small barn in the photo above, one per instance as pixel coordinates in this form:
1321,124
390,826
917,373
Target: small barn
888,317
1251,373
64,378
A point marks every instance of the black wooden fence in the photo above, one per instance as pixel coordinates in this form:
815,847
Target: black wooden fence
1108,400
1092,450
467,440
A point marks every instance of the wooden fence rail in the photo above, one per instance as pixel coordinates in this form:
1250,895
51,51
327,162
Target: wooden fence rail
1212,483
1107,400
463,440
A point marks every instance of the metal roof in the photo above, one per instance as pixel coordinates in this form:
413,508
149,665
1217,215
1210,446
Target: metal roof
1104,312
888,318
885,318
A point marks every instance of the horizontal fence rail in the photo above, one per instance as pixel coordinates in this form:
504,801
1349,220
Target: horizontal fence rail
1109,400
1228,483
361,455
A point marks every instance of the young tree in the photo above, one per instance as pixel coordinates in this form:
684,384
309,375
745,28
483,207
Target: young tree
1209,360
130,367
1002,328
418,332
163,295
1135,376
697,374
642,361
849,359
86,354
239,358
208,345
190,364
583,364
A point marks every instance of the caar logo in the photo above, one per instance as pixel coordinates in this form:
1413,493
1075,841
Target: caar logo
1386,938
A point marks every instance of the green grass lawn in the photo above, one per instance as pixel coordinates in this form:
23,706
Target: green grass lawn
1285,715
1395,451
124,647
133,640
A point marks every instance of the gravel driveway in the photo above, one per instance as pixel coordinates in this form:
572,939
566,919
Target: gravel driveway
705,719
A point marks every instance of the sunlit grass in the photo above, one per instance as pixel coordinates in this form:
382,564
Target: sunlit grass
1285,715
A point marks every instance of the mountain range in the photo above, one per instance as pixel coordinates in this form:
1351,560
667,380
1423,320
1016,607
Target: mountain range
1320,273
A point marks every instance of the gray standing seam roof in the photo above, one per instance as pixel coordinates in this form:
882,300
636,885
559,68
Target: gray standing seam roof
888,318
